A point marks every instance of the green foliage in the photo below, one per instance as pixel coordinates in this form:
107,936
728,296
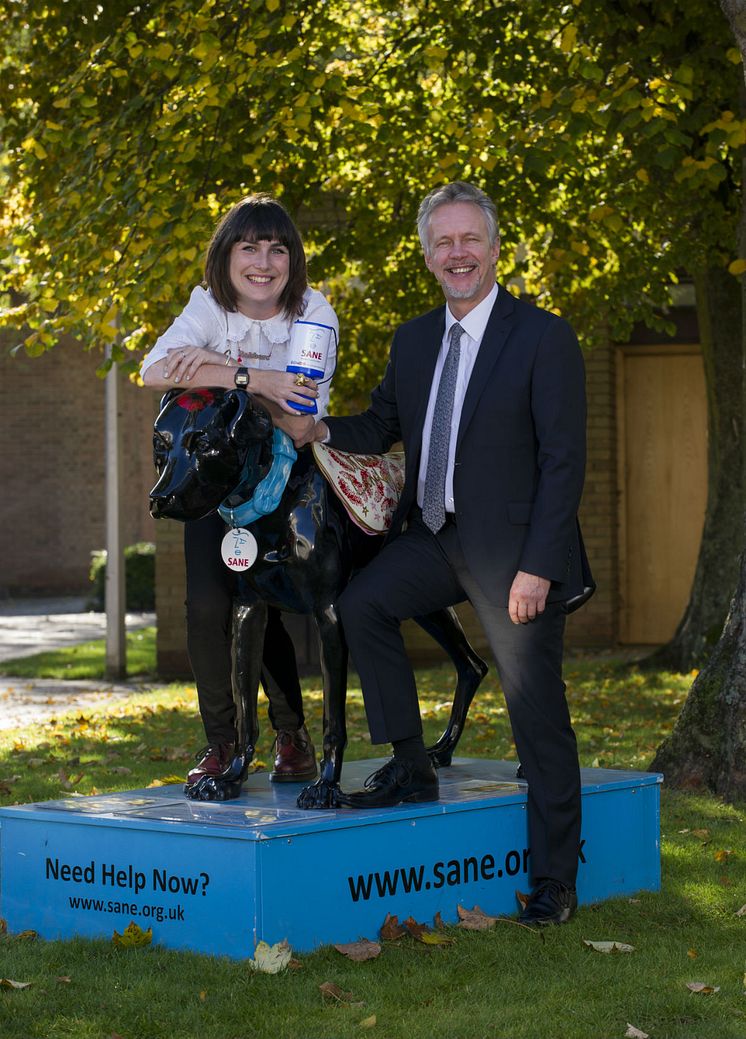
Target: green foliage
139,575
609,135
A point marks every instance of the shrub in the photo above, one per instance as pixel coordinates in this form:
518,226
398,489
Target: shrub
139,576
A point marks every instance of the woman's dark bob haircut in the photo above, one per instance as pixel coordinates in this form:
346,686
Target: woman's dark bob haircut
256,218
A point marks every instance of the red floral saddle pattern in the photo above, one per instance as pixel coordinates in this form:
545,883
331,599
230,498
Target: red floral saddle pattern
367,485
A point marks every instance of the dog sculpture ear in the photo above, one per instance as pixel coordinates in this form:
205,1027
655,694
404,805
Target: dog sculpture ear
251,421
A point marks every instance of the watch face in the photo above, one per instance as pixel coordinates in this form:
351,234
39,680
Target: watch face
241,378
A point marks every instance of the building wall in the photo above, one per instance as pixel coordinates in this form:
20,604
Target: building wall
52,509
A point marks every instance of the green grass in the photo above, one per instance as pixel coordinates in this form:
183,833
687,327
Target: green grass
508,983
86,660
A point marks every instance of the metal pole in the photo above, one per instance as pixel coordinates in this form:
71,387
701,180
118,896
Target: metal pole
116,646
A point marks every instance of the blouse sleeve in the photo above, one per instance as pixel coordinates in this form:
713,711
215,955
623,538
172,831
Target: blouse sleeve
320,310
197,325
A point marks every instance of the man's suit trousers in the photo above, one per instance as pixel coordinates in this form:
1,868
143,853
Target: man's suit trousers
419,572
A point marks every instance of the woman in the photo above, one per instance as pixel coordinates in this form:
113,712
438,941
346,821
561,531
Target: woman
236,333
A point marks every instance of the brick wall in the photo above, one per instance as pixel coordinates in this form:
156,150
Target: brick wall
52,468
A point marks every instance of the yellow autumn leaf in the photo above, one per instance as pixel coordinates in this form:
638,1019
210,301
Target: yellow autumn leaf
368,1022
8,983
569,36
737,267
133,937
436,938
643,175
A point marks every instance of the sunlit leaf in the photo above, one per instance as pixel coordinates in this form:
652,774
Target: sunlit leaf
702,988
608,947
368,1022
271,959
635,1033
8,983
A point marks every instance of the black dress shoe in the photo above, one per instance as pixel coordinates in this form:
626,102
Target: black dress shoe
396,781
551,902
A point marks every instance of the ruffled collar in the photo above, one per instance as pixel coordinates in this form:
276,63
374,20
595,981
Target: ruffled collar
274,329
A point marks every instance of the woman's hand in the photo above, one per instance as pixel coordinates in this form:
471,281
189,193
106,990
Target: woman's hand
282,388
183,363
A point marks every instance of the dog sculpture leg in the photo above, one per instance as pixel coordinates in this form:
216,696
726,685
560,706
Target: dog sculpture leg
249,622
323,793
445,627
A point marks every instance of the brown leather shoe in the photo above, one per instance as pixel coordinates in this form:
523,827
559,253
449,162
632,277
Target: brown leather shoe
214,760
296,758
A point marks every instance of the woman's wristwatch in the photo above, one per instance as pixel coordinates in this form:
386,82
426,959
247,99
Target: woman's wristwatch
241,378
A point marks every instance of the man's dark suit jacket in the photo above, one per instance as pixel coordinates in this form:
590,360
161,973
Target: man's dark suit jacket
520,453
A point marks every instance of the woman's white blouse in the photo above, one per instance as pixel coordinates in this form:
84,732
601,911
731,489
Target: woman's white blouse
255,344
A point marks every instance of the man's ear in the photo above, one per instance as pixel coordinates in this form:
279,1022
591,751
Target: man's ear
251,421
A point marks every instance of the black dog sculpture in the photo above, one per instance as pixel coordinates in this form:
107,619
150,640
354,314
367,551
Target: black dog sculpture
212,445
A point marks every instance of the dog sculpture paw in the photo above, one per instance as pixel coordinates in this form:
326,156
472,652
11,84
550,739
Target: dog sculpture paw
321,794
213,788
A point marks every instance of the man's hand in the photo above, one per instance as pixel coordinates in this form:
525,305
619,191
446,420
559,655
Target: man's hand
528,597
314,432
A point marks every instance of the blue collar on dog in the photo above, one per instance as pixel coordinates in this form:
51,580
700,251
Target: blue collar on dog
268,491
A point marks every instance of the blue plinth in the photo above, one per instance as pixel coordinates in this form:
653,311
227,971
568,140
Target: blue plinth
218,878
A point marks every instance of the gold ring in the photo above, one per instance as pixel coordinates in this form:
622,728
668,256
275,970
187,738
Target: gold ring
300,379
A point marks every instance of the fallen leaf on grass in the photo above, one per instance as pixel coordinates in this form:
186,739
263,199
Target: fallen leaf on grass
741,911
392,929
704,835
7,983
63,979
692,954
166,781
723,855
368,1022
438,921
702,988
294,964
331,991
522,899
202,996
635,1033
415,929
360,951
436,938
4,925
120,770
133,936
25,936
474,919
608,946
271,959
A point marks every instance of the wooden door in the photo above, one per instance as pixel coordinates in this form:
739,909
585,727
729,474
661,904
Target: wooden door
662,430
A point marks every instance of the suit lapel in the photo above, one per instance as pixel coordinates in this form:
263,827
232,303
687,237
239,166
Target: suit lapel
426,359
500,324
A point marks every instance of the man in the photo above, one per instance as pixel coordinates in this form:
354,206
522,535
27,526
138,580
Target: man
487,395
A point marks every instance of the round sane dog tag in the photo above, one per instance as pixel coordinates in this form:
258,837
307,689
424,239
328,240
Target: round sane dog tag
239,549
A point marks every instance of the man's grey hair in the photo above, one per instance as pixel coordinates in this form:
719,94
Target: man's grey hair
459,191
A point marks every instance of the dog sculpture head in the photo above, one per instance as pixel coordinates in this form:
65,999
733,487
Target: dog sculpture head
204,443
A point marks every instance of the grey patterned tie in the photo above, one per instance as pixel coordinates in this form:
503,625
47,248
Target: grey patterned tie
434,497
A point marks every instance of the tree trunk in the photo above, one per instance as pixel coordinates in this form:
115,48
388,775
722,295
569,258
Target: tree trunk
707,747
719,312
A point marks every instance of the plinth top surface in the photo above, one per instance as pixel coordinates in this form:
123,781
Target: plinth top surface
268,810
